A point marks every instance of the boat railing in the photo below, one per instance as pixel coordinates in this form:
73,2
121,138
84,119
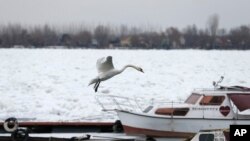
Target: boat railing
136,104
113,102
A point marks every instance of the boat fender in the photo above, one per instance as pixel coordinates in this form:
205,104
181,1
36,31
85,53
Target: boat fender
117,127
10,124
20,135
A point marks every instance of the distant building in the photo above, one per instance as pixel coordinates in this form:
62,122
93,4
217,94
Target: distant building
126,42
94,43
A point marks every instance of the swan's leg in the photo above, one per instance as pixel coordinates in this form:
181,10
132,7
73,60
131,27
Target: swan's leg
97,81
97,86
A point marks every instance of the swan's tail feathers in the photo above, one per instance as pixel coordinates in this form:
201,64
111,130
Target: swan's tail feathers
93,81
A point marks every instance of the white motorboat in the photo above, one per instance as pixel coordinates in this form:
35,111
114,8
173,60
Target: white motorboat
204,109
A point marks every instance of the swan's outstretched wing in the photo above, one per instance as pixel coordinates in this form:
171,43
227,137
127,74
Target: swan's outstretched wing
104,64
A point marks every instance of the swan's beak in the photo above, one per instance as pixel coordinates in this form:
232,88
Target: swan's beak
142,71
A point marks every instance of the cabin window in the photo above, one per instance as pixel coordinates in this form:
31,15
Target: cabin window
212,100
206,137
193,98
172,111
241,101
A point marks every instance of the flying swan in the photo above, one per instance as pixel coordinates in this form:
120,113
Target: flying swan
106,70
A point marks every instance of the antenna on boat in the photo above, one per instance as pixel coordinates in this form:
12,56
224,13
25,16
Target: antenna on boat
216,84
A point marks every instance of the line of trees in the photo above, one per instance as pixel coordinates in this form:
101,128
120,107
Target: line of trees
107,36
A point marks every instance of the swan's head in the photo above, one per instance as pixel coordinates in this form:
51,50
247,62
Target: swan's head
140,69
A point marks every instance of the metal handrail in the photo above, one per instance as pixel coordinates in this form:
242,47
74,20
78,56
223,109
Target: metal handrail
131,104
117,102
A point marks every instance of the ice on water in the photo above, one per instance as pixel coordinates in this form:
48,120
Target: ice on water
52,84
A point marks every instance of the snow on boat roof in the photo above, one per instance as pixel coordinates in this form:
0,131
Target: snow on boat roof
224,90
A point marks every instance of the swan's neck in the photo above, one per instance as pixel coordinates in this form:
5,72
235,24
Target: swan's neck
127,66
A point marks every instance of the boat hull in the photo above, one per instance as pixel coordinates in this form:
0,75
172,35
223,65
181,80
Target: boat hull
159,126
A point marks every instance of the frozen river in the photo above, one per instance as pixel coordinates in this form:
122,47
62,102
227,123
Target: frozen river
52,84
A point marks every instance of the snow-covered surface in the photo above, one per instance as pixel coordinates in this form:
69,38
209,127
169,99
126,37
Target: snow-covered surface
52,84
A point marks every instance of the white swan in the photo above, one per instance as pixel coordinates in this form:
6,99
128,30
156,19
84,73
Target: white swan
106,70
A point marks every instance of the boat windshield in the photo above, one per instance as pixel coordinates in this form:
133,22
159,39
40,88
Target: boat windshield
241,101
193,98
212,100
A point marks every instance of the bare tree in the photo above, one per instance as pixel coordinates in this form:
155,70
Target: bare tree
240,37
83,38
190,34
213,24
174,36
49,36
101,34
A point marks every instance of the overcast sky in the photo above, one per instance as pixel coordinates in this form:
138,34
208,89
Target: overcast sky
161,13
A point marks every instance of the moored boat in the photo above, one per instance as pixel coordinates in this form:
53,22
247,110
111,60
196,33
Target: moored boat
204,109
213,135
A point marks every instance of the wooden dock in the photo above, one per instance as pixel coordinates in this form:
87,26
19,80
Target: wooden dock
64,127
66,131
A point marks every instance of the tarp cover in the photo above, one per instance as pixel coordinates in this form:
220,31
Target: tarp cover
241,101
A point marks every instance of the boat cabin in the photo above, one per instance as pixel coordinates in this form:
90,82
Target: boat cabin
219,135
223,102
